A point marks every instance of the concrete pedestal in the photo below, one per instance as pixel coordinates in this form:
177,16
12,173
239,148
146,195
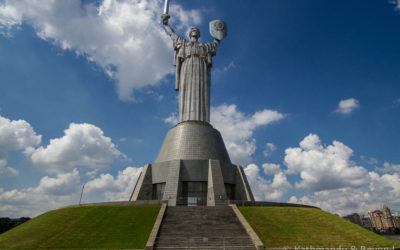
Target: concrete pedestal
193,168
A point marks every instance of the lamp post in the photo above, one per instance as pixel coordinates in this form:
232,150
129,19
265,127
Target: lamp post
80,200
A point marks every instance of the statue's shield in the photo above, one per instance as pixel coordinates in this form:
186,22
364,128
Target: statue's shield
218,29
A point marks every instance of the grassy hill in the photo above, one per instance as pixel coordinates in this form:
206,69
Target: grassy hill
85,227
118,227
304,227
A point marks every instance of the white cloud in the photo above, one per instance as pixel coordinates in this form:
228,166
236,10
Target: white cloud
384,189
336,183
185,17
82,145
9,18
269,148
92,174
115,189
125,38
173,119
237,129
6,171
347,106
395,2
63,184
241,152
231,65
389,168
271,168
15,135
324,168
226,68
311,142
396,103
370,160
65,189
264,189
51,193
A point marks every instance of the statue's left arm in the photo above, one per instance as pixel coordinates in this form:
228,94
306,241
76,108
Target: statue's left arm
216,44
211,50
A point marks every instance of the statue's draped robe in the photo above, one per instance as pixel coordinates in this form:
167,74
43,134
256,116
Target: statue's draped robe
193,61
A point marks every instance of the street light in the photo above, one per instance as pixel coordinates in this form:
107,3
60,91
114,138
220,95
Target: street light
81,194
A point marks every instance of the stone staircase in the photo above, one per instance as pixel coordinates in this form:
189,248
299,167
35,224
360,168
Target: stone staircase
202,227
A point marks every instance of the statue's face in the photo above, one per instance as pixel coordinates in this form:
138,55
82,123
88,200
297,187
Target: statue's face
194,33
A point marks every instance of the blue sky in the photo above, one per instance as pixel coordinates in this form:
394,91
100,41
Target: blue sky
305,93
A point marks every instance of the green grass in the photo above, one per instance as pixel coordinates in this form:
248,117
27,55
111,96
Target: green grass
290,227
85,227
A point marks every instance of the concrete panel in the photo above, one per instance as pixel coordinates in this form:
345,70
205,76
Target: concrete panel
194,170
242,187
228,172
160,171
216,194
144,187
173,183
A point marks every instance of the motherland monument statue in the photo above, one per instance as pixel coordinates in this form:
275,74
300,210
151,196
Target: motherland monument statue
193,166
193,62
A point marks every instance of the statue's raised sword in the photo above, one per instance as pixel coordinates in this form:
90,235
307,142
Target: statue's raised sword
166,7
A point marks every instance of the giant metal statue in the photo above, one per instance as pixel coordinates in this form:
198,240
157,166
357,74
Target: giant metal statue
193,166
193,62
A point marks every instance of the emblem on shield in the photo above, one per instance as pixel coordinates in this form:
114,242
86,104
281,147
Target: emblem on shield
218,29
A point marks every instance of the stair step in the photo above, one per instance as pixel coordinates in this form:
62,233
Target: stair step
207,248
202,228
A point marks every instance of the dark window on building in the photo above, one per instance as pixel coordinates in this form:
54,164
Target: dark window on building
230,188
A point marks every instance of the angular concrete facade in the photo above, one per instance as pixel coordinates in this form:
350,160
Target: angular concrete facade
193,168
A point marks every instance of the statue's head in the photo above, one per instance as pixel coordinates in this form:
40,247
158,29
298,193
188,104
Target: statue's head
194,32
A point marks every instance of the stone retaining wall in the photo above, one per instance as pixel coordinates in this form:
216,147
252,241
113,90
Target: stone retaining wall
267,204
121,203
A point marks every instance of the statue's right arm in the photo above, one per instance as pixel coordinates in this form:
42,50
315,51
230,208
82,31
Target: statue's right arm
168,28
170,31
